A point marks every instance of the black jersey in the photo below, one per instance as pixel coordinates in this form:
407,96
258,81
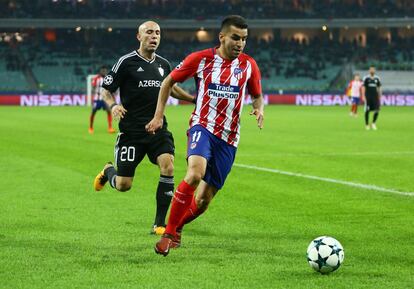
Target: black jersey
139,81
372,85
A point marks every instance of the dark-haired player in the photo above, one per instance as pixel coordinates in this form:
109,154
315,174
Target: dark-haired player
139,75
222,75
371,93
98,102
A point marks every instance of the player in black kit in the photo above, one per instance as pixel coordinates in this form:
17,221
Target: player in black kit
139,75
371,94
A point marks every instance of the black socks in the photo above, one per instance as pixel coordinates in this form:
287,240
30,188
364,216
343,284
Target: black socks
375,116
110,173
165,191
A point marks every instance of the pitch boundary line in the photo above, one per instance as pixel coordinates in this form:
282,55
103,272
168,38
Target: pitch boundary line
328,180
330,154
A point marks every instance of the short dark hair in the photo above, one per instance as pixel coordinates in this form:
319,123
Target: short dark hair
234,20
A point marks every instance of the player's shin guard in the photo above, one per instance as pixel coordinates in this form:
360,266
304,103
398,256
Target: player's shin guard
180,204
110,173
165,191
192,213
375,116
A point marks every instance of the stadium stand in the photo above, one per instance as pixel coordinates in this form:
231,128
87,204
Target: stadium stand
286,64
199,9
11,71
317,62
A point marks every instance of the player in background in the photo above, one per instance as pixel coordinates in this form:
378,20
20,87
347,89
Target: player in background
139,75
371,94
354,89
222,75
98,102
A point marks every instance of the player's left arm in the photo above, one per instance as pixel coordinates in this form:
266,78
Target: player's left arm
255,89
179,93
258,109
379,89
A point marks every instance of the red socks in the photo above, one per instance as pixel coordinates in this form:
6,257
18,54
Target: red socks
192,213
354,108
182,200
109,120
91,118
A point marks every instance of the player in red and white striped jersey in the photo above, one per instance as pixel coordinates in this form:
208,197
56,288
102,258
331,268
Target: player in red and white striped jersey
355,89
222,75
221,90
98,102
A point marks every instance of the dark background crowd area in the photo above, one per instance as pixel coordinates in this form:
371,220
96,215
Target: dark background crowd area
206,9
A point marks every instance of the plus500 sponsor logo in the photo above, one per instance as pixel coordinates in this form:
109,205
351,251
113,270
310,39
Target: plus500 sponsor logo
223,91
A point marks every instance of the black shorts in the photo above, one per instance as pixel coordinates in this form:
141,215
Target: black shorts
130,149
372,103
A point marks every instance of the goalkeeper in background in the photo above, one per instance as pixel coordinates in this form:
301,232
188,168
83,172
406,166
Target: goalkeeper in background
98,102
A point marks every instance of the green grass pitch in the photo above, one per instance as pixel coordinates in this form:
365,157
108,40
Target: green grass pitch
56,232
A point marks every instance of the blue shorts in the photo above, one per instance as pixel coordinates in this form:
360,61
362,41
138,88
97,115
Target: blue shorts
219,154
98,104
355,100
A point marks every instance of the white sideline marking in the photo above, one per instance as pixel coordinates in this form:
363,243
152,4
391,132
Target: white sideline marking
346,183
329,154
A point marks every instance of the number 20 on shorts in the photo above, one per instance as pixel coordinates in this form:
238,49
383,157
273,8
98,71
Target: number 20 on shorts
127,154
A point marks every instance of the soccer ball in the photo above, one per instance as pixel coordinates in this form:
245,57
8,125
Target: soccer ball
325,254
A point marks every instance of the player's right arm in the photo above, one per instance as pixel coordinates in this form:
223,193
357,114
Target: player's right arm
348,88
93,87
112,81
365,83
363,93
158,119
182,72
117,110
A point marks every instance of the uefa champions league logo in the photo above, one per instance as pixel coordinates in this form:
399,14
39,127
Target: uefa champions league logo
108,79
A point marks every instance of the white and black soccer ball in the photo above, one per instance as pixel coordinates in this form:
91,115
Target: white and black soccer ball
325,254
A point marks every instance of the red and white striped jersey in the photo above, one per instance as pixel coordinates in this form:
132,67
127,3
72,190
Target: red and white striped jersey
97,82
221,86
355,88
